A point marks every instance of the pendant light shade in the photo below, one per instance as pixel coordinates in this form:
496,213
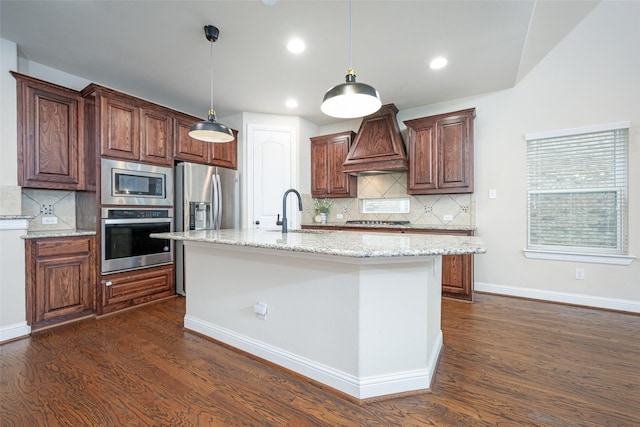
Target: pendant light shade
210,130
351,99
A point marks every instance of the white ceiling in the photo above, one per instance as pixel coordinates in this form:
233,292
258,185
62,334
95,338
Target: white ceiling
157,50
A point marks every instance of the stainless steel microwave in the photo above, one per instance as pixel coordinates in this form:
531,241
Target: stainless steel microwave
129,183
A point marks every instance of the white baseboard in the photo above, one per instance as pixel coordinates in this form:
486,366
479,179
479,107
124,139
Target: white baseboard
563,297
13,331
360,388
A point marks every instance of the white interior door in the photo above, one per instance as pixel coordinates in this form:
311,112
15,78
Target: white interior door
271,171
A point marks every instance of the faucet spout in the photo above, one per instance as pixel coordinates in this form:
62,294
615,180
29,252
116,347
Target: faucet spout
284,206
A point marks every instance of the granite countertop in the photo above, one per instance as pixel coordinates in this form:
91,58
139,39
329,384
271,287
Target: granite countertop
394,226
9,217
57,233
338,243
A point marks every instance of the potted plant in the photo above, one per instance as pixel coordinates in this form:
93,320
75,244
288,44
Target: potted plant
322,206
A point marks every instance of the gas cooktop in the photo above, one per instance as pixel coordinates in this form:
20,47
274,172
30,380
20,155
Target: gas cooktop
370,222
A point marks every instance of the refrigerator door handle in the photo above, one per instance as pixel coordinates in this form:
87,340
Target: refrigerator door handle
216,202
212,211
219,224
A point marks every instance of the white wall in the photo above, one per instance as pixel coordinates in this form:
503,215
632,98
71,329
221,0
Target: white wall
9,190
591,77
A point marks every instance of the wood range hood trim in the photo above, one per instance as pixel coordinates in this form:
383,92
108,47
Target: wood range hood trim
378,146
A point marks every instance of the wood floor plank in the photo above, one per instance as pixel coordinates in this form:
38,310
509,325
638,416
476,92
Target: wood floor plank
505,361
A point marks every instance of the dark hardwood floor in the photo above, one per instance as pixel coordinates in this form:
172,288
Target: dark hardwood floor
506,361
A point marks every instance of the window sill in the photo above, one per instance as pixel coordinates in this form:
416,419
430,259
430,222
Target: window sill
568,256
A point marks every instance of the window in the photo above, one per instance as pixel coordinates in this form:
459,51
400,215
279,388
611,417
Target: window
577,190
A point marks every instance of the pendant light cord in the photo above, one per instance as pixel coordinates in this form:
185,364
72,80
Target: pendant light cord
211,67
350,39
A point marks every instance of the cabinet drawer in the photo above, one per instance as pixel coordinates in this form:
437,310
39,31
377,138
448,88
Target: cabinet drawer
134,287
63,246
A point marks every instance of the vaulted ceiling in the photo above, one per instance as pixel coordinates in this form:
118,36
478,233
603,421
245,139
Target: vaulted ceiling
157,49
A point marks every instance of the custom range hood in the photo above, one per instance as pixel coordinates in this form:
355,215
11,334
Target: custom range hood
378,147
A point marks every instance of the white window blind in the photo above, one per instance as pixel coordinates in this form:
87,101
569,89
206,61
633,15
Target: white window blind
577,191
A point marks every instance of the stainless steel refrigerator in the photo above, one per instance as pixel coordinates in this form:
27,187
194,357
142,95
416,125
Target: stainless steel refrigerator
207,197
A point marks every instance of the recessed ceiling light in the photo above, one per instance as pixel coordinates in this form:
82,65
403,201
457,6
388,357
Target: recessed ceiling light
291,103
438,63
296,46
268,2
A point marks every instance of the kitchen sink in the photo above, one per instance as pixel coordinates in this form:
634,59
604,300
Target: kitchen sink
279,230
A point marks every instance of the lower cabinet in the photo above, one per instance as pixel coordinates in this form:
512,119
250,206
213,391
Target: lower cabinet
457,270
60,279
131,288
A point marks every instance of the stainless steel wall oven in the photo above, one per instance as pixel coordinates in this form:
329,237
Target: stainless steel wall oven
126,244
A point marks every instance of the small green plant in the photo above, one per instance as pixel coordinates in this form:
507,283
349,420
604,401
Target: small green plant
322,205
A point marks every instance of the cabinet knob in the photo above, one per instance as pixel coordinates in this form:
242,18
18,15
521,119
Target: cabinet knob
107,282
257,222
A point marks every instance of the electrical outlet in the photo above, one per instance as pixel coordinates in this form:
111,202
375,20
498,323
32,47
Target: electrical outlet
579,273
49,220
339,216
447,217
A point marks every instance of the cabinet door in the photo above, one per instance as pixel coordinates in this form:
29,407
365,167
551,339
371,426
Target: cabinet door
224,154
457,277
455,154
340,183
50,136
120,123
328,153
156,138
319,168
61,280
187,148
422,176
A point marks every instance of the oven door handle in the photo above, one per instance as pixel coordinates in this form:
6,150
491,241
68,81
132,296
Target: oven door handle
137,220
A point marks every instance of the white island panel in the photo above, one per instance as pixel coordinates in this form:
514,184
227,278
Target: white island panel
365,329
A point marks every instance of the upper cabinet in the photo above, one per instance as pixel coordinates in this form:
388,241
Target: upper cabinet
328,153
441,153
50,136
131,129
196,151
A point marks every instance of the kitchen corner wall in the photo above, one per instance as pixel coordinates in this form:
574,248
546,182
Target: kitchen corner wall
425,210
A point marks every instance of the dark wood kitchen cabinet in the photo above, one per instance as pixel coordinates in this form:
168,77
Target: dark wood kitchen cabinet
328,152
441,153
132,288
192,150
50,135
457,270
60,279
129,128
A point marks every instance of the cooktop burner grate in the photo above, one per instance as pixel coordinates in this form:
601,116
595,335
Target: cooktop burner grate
371,222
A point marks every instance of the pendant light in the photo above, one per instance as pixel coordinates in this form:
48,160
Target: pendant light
351,99
210,130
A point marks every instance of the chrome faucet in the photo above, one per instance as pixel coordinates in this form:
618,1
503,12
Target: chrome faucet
283,223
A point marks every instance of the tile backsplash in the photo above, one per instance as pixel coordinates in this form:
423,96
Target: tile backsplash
62,202
10,200
429,210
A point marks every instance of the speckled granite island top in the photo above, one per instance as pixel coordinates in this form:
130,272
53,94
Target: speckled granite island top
337,243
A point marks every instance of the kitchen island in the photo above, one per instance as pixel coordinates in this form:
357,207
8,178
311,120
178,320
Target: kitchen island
358,312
